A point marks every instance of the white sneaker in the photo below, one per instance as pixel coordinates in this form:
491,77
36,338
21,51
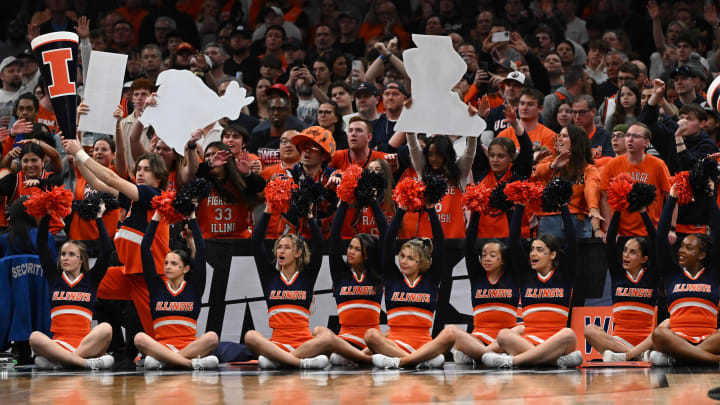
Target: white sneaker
319,362
570,360
645,356
610,356
383,361
435,362
151,363
661,359
338,360
462,358
264,362
45,364
103,362
205,363
497,360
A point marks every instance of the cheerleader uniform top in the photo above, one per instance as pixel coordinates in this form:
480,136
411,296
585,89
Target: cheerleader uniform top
174,312
634,299
545,299
288,301
72,301
495,305
412,305
358,298
692,300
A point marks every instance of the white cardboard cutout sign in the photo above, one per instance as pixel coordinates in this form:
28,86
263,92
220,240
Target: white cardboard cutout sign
103,91
185,103
435,68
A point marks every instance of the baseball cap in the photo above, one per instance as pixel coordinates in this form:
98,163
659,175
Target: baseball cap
293,44
620,128
396,86
348,13
9,61
278,88
691,69
515,76
241,30
367,87
185,47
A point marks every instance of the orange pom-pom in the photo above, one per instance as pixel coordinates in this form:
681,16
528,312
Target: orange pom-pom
618,189
409,192
528,193
277,194
477,199
681,181
348,184
57,202
163,203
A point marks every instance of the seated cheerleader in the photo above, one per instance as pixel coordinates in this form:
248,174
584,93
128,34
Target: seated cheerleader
633,287
494,296
358,289
546,284
288,291
411,293
175,306
691,287
73,291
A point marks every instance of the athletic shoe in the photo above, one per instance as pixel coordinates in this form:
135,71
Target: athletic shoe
497,360
383,361
462,358
435,362
661,359
610,356
319,362
645,356
338,360
45,364
150,363
205,363
103,362
264,362
570,360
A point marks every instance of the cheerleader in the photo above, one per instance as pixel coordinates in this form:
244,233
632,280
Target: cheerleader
633,288
288,291
411,293
73,291
494,296
357,286
175,305
691,287
546,284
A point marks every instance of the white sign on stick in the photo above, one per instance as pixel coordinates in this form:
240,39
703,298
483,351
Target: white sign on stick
185,103
103,91
435,68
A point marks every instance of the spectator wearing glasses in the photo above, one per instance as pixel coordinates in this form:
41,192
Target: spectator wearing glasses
583,113
330,118
577,82
642,167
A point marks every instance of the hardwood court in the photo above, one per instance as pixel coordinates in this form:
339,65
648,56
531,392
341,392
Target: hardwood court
453,385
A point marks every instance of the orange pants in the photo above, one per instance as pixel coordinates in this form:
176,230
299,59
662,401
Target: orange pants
118,286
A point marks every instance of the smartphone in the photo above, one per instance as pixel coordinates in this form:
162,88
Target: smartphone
503,36
357,65
483,66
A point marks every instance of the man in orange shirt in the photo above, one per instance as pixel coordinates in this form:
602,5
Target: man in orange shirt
359,135
642,167
529,109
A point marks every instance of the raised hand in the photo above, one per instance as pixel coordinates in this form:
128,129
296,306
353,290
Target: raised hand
83,27
21,127
220,158
561,160
118,113
71,146
658,87
243,163
653,10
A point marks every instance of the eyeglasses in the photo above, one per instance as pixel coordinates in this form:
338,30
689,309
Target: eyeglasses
285,141
618,135
579,112
625,78
636,136
325,112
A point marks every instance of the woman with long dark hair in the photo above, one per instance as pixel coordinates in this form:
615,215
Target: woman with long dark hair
627,106
573,162
330,118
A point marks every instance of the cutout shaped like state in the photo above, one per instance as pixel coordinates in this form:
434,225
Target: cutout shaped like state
435,68
185,103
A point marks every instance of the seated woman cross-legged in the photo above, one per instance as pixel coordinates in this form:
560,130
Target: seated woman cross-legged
691,286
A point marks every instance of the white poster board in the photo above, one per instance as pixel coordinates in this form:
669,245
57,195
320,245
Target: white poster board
185,103
103,91
435,68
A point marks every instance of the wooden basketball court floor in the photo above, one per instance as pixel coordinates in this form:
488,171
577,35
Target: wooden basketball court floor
451,385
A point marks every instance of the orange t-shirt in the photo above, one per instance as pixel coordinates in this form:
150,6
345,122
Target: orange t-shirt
48,118
341,159
541,135
586,192
651,170
135,19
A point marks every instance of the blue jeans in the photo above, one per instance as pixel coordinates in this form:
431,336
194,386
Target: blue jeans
553,225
